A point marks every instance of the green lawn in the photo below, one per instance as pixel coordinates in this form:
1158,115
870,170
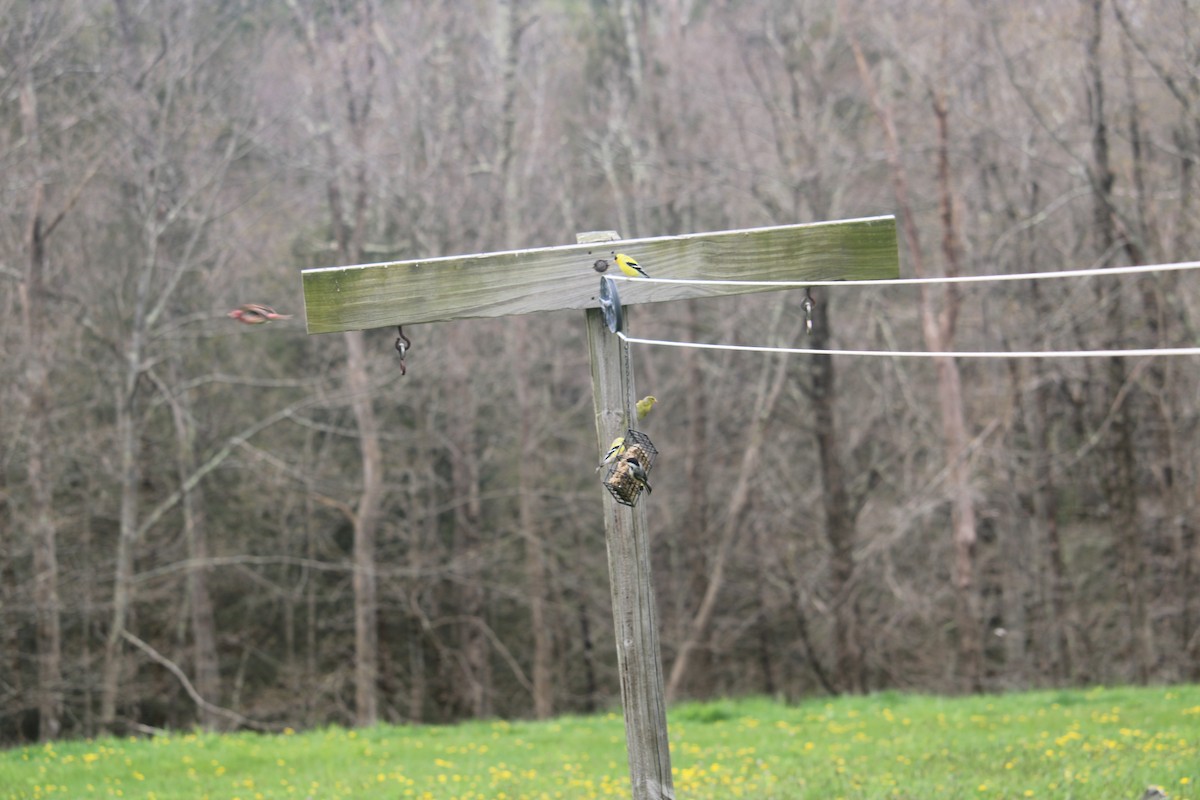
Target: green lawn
1097,743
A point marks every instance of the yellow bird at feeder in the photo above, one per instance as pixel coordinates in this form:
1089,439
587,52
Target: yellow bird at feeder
615,449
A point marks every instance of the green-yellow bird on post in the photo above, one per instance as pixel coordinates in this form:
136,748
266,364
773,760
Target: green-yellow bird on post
644,405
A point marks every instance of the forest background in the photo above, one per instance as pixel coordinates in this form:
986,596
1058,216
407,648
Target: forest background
203,523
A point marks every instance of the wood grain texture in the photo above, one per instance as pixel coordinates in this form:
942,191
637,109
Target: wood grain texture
635,623
555,278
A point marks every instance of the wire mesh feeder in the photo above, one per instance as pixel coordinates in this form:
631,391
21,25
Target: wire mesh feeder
620,481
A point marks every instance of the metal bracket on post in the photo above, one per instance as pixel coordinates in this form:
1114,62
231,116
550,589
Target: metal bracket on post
610,305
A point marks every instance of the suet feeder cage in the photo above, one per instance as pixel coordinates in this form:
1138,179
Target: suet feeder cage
620,482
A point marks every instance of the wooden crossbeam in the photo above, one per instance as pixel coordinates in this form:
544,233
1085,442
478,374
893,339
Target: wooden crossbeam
557,278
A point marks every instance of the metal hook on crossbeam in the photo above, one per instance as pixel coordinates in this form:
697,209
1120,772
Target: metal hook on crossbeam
403,345
808,304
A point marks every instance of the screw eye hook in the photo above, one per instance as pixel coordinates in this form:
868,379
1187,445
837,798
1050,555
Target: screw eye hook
808,304
402,347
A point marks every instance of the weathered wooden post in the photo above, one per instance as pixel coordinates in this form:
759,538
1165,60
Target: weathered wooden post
555,278
635,622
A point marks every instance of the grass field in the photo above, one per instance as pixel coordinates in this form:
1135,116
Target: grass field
1097,743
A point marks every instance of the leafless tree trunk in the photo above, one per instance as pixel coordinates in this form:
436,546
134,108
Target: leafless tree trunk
206,674
1121,475
1175,72
953,417
37,387
696,513
529,521
172,204
129,446
938,329
513,22
462,420
347,173
839,519
1062,617
770,384
366,521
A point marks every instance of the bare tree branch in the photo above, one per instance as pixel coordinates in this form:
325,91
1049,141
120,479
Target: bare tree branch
238,719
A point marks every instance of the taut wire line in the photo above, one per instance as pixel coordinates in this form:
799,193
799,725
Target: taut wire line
1016,276
1130,353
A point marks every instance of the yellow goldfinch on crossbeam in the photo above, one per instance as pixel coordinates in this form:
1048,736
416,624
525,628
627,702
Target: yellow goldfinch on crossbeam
615,449
630,267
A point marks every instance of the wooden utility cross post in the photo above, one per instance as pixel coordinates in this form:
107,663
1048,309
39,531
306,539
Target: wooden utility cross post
555,278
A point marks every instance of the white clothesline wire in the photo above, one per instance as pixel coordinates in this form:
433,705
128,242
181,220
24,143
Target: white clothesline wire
1022,276
1153,351
1071,273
